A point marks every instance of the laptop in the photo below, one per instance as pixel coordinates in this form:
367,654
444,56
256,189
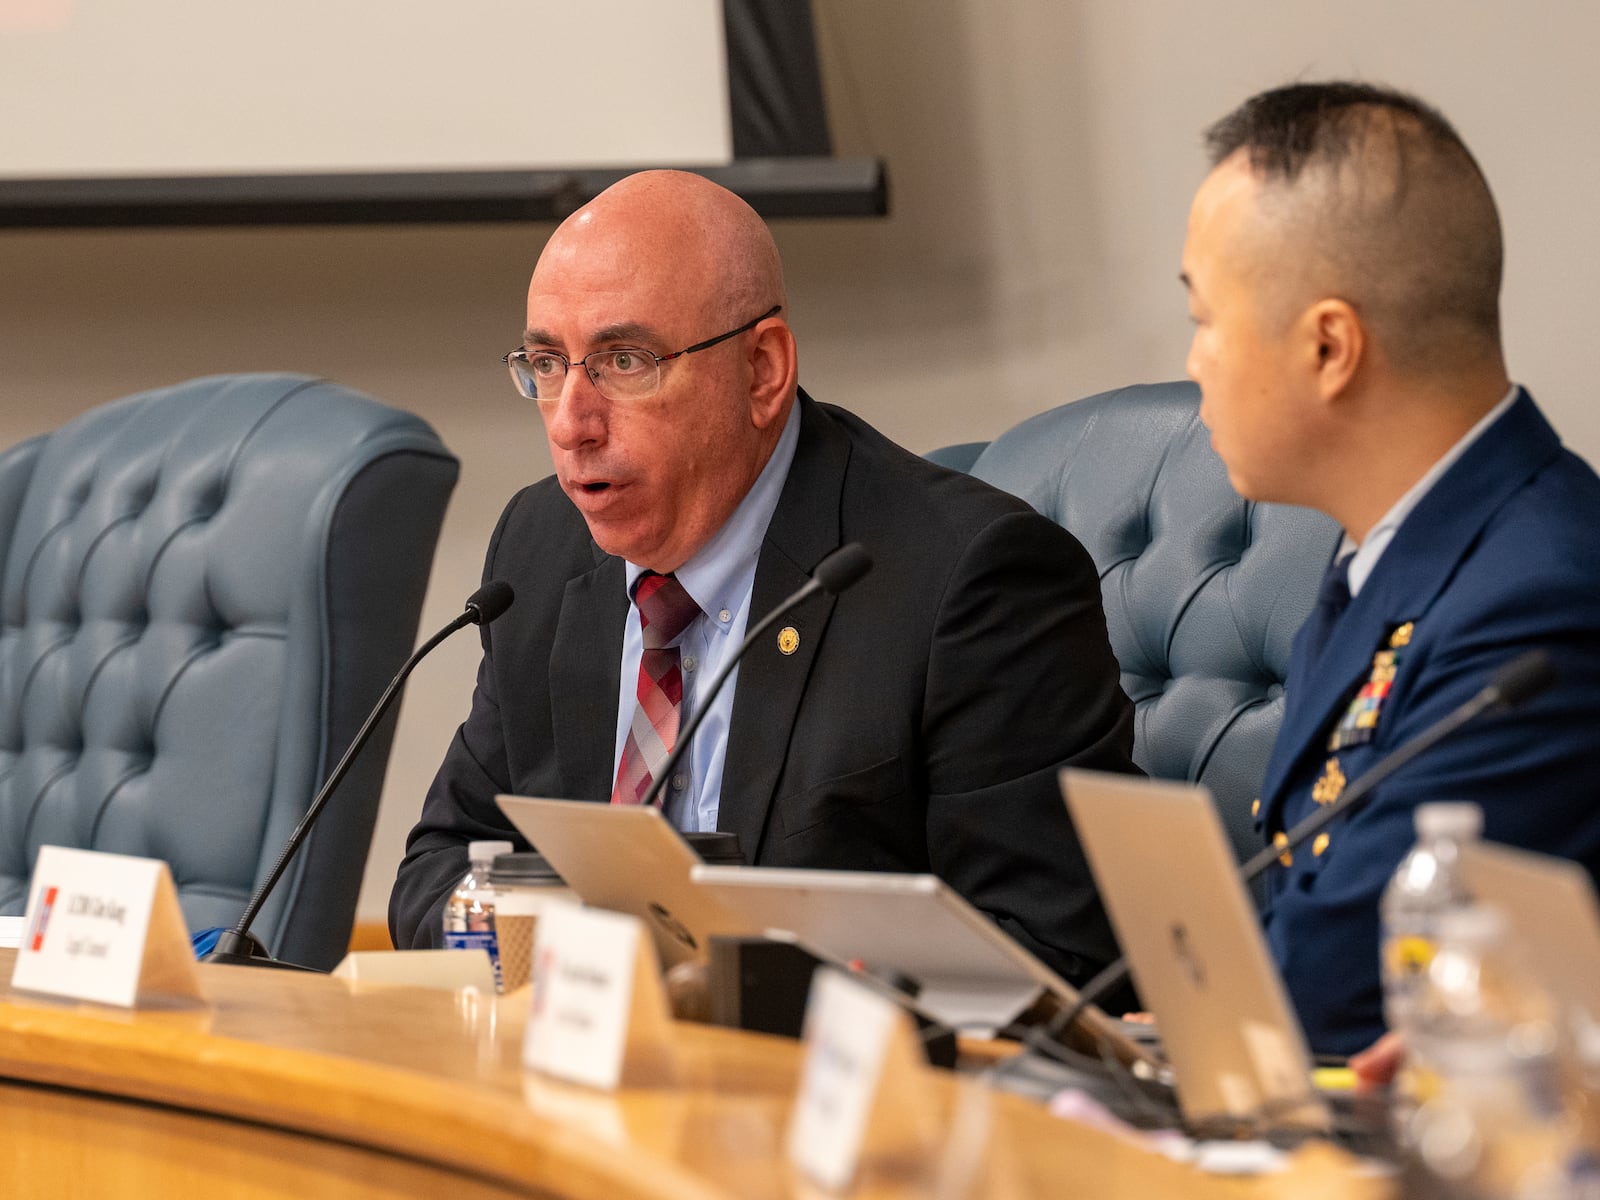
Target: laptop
1193,941
627,858
1554,917
965,970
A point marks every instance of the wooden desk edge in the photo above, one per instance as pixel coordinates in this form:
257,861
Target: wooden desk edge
488,1129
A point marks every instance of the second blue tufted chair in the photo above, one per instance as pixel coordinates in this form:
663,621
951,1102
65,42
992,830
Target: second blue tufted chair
1203,590
202,591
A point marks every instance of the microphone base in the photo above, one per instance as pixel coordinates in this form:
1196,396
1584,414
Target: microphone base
244,950
250,960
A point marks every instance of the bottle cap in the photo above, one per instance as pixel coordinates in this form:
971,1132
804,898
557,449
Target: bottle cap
1449,820
484,852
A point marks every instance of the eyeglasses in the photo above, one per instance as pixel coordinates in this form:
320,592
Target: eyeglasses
620,373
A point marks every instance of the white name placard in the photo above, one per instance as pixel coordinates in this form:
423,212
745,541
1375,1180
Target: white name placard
104,927
848,1031
597,1003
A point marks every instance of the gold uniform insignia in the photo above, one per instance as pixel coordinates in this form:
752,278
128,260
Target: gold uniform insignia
788,639
1280,840
1329,788
1320,845
1401,636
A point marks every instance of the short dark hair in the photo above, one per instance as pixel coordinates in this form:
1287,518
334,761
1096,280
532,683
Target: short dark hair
1284,129
1403,214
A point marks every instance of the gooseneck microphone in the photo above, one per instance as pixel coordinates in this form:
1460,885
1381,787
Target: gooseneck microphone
238,946
838,571
1519,681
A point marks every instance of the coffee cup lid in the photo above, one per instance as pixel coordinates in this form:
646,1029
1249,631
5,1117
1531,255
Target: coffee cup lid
525,868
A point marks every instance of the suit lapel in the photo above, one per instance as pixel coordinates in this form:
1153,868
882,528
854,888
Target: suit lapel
805,527
584,686
1414,569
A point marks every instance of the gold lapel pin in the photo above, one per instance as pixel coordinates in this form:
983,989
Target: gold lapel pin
788,639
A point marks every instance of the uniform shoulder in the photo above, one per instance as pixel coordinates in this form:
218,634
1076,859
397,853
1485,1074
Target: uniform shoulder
1554,516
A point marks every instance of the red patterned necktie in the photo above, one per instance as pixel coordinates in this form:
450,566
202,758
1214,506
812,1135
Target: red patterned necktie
665,611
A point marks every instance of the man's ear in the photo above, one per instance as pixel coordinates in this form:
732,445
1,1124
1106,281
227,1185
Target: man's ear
774,371
1338,342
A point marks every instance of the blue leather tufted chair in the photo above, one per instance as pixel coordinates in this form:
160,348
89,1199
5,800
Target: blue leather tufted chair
1203,591
959,457
202,590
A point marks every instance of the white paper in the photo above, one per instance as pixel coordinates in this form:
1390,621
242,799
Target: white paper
10,932
1280,1071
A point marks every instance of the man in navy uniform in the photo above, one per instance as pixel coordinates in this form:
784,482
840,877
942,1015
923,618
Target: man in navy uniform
1343,265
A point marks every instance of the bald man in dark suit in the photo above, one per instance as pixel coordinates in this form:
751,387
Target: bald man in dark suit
915,723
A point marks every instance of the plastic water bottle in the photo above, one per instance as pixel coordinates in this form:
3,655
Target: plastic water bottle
469,912
1425,887
1484,1070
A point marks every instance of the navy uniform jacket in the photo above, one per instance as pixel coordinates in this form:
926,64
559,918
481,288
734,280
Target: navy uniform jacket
918,727
1501,556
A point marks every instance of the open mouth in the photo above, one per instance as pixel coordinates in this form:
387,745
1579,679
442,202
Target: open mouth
595,489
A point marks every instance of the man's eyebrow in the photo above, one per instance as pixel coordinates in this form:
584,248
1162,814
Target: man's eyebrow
622,331
625,331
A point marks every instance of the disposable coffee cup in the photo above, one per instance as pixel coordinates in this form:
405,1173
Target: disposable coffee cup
525,886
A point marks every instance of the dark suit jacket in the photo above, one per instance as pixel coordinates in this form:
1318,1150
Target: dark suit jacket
1501,556
918,727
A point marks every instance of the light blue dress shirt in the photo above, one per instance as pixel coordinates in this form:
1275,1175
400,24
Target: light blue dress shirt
719,577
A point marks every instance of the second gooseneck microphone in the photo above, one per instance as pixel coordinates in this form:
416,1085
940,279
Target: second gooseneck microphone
1514,684
840,570
1520,680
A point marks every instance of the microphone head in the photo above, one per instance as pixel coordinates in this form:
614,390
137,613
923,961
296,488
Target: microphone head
489,601
1523,678
843,568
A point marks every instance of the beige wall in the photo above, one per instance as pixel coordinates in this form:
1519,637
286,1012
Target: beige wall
1042,156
